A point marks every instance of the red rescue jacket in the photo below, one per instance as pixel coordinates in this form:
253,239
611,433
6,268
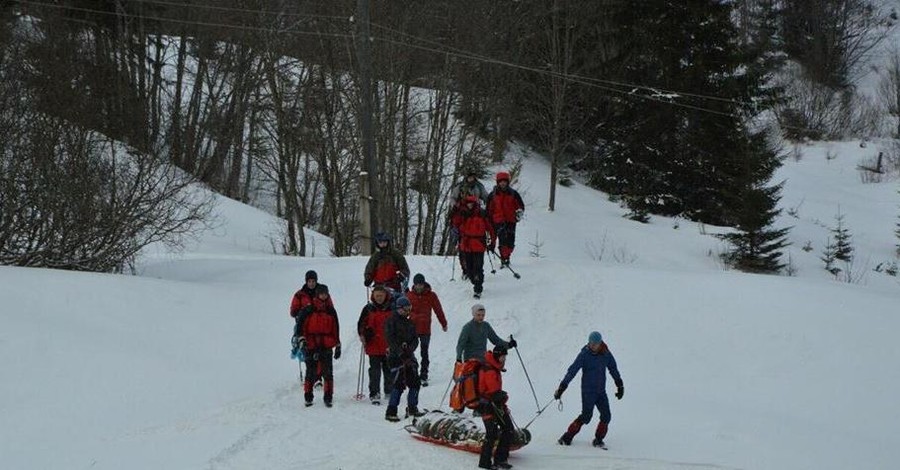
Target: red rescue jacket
422,305
320,325
503,204
473,228
371,326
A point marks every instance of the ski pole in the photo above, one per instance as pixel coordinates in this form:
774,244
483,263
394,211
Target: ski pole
453,271
539,413
359,376
446,392
493,271
527,377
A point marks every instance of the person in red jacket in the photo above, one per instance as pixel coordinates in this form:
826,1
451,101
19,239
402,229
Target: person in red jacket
505,208
304,297
498,425
371,333
386,266
476,235
321,341
424,301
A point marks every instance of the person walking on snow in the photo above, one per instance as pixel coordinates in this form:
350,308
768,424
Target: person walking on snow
302,299
386,266
476,235
469,186
473,337
370,328
498,424
424,301
505,208
593,360
320,334
402,343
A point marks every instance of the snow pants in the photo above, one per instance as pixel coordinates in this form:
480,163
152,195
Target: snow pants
473,266
498,430
506,238
319,365
589,401
424,341
378,369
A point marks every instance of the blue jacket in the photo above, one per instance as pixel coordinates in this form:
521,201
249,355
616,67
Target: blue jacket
593,368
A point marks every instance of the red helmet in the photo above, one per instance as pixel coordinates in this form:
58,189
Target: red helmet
502,176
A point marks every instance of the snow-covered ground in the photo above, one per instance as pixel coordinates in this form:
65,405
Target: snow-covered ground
186,366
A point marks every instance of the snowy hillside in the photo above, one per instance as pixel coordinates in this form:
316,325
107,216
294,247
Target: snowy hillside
186,366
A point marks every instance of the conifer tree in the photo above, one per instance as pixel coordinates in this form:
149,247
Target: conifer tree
679,144
756,247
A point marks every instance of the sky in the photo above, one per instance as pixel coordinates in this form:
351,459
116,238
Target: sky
186,365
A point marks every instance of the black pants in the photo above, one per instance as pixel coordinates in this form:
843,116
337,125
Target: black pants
378,368
319,365
497,430
474,268
424,340
506,236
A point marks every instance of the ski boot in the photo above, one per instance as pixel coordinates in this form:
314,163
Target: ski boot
309,399
504,263
328,400
565,440
597,442
375,399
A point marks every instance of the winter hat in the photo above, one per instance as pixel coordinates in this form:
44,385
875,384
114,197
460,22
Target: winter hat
476,308
403,302
501,176
382,237
595,337
419,279
311,275
321,289
500,350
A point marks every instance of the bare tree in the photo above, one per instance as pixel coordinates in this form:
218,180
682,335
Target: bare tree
889,89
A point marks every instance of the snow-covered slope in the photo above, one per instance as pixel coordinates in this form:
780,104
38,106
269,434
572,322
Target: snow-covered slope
186,365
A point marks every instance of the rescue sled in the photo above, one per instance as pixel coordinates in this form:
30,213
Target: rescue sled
457,432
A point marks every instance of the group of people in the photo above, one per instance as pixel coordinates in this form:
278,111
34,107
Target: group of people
396,322
482,221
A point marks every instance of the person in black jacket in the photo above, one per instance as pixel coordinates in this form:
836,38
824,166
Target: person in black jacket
402,343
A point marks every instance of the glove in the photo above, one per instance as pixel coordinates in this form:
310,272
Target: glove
519,214
512,343
367,282
337,352
499,397
369,333
559,391
620,392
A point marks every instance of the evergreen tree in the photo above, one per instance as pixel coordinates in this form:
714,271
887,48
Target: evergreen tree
679,144
756,247
838,247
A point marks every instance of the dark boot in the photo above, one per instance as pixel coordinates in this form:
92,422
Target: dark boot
413,411
308,396
391,414
328,398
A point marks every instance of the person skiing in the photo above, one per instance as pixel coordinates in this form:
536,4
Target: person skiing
370,328
424,301
476,235
318,323
386,266
505,208
473,337
593,360
402,343
498,424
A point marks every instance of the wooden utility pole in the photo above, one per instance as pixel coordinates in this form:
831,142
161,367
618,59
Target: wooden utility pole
364,57
365,212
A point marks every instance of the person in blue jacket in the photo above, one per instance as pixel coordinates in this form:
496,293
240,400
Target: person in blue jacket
593,361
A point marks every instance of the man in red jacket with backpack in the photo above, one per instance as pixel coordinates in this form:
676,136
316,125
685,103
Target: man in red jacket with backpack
498,425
